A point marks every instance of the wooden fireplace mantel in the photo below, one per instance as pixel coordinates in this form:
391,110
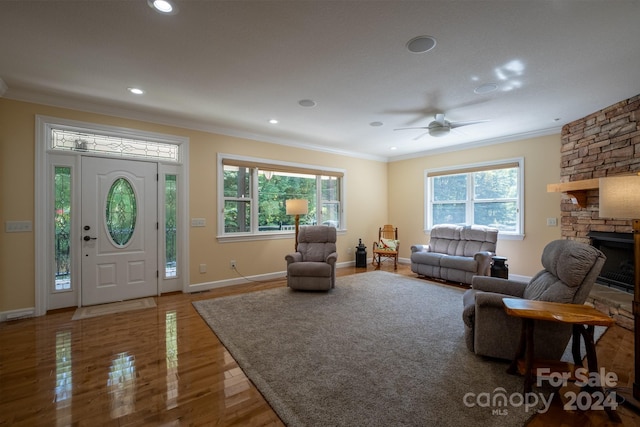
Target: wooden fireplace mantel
577,190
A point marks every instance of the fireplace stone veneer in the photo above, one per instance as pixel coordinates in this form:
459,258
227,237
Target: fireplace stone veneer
605,143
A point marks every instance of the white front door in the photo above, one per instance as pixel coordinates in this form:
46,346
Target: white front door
119,230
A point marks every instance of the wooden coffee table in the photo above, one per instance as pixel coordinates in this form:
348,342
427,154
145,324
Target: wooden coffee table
583,320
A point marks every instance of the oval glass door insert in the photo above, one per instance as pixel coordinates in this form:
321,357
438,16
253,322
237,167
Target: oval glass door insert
121,211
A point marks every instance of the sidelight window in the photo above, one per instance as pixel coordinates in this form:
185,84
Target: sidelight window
62,227
170,226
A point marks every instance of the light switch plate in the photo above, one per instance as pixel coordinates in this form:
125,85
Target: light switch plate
198,222
18,226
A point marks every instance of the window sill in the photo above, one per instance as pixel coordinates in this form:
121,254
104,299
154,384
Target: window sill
262,236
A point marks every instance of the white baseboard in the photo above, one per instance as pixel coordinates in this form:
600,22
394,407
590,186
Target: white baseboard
21,313
205,286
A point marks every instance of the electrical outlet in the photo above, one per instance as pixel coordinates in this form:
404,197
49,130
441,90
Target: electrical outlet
203,268
552,222
232,264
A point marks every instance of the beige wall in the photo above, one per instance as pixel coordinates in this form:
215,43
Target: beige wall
365,187
377,193
541,165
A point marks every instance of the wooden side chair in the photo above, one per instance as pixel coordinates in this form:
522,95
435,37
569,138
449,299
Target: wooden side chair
387,246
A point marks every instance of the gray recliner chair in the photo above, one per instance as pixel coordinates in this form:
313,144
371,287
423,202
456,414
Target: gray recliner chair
313,266
570,270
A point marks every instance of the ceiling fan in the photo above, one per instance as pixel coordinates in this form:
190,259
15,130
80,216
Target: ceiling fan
441,127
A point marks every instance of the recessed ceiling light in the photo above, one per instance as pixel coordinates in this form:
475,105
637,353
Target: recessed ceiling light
421,44
163,6
376,124
307,103
485,88
135,90
393,148
273,121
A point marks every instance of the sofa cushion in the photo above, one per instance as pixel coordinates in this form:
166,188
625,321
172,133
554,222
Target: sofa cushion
446,231
316,243
547,287
561,284
459,263
311,269
476,238
429,258
575,258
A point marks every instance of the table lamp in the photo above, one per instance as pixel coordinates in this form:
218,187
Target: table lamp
297,207
620,199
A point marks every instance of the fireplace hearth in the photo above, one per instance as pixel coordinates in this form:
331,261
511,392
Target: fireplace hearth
618,270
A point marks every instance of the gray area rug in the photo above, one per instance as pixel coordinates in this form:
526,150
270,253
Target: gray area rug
378,350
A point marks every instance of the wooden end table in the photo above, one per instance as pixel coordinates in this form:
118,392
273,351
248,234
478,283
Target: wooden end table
583,320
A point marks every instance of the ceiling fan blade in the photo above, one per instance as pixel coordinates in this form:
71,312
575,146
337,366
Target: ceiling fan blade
420,136
422,127
454,125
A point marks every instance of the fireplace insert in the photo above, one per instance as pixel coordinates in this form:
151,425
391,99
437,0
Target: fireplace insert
618,269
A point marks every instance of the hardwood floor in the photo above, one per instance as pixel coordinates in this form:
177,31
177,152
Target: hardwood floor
164,367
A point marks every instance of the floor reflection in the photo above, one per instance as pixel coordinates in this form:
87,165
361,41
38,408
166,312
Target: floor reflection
171,337
64,378
235,382
121,385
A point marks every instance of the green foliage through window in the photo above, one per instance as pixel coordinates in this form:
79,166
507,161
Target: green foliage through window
486,197
62,227
170,226
272,189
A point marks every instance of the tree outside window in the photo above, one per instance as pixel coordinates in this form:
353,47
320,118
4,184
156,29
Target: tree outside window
489,196
266,191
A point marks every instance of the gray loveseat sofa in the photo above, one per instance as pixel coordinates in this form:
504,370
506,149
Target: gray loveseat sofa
456,253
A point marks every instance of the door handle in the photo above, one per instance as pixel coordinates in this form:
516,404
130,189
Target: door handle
87,238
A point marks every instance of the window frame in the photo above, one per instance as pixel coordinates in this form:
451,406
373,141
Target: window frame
255,165
517,162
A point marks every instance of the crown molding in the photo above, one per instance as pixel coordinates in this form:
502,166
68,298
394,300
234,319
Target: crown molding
482,143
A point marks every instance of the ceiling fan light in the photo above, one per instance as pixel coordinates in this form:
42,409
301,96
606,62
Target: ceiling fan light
438,131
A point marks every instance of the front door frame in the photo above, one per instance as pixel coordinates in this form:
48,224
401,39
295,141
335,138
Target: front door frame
45,161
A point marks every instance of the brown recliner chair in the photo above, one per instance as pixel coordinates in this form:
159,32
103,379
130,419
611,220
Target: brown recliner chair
570,270
313,266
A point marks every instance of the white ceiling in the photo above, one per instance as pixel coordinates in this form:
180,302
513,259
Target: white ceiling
230,66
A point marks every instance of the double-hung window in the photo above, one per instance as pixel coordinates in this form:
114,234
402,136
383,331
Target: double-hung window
484,194
253,194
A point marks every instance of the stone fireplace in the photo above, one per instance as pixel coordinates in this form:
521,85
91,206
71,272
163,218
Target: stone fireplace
605,143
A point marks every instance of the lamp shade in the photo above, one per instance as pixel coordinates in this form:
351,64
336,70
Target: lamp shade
620,197
297,207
